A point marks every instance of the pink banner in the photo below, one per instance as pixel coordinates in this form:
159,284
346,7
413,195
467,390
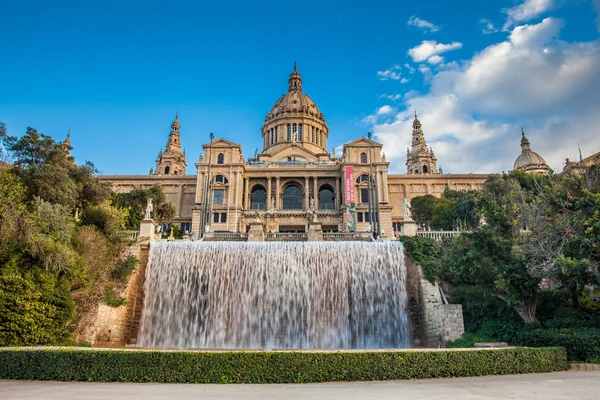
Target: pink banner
349,184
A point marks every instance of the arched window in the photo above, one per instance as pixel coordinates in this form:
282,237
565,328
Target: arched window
167,170
363,158
312,137
221,179
425,169
300,138
289,133
292,198
175,173
276,134
362,178
258,198
272,138
317,136
220,158
326,199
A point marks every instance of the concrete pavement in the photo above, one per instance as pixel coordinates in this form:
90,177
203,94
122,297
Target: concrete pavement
579,385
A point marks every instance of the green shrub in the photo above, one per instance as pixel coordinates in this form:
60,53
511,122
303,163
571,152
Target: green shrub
111,298
124,268
424,251
582,344
468,339
270,366
32,313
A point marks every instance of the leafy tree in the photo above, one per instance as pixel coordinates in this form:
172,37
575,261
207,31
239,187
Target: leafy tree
421,208
135,202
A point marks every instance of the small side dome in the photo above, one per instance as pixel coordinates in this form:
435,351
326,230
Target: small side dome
529,160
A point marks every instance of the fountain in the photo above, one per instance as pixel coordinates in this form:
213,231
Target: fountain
275,295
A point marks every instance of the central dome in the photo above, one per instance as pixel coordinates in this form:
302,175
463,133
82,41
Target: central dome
529,160
297,102
295,120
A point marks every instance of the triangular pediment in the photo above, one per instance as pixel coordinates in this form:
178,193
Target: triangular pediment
363,142
220,142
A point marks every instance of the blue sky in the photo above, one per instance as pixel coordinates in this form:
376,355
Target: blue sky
116,73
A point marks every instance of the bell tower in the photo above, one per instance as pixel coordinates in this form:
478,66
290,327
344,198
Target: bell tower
420,159
172,160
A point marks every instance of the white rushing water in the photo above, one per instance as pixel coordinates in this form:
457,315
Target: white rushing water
275,295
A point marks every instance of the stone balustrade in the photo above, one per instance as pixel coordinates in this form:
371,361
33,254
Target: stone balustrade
296,237
129,235
438,235
346,236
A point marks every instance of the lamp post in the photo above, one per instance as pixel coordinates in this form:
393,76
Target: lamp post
373,193
206,193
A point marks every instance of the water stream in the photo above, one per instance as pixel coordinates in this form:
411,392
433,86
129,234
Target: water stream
274,295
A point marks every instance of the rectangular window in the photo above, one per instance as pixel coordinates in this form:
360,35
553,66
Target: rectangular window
187,226
272,139
276,134
223,217
218,197
289,135
216,217
367,217
364,196
182,227
359,217
300,139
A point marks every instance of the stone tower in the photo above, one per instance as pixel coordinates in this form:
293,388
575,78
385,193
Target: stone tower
420,159
172,160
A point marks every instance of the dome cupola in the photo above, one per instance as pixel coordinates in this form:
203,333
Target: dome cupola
529,160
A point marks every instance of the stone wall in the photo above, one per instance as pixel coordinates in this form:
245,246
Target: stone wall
116,326
433,323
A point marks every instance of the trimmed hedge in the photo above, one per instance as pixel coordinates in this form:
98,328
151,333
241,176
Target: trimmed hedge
270,366
582,344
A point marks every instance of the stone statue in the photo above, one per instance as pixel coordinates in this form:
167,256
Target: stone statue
272,202
151,171
406,206
314,217
333,152
256,153
311,203
149,209
194,236
383,157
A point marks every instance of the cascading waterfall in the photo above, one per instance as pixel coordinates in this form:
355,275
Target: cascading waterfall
275,295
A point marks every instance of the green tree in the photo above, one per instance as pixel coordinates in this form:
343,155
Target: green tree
135,202
421,208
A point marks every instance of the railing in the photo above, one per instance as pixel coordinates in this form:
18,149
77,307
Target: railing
298,237
129,235
341,236
438,235
226,235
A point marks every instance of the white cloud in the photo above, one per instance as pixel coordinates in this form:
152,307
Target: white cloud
384,110
392,97
596,4
422,24
430,48
473,111
390,73
488,26
404,80
433,60
526,11
411,69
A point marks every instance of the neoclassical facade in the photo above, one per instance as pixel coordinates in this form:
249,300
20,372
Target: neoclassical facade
294,179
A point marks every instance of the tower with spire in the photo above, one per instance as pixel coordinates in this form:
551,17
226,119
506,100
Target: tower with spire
172,161
419,158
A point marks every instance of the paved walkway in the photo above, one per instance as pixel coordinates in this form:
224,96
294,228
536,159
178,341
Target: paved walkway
558,385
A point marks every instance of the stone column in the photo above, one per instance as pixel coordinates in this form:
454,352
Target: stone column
277,192
306,192
338,204
316,192
268,204
246,194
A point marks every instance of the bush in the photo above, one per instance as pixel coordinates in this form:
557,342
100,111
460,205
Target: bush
424,251
582,344
32,314
124,268
270,366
